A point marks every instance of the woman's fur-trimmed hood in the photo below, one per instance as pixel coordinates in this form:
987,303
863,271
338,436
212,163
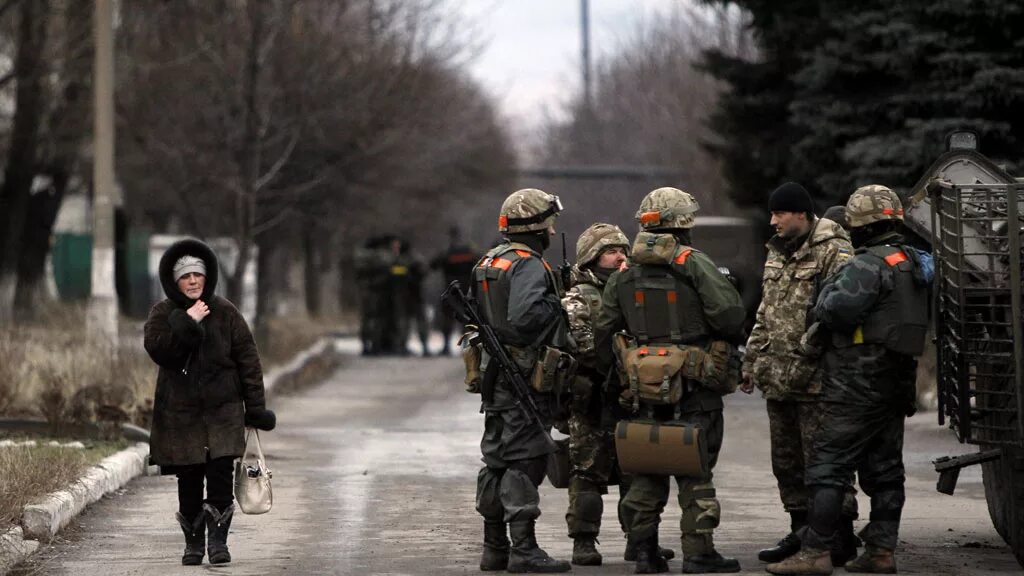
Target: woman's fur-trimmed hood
188,247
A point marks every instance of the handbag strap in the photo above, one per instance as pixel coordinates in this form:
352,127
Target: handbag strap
250,433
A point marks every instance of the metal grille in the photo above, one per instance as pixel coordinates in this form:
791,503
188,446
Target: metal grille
978,311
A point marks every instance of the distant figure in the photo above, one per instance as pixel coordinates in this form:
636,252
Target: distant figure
415,307
372,265
209,388
455,263
837,214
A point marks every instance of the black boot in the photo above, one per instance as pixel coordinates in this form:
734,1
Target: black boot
790,544
784,549
630,554
584,551
526,556
710,563
495,556
217,524
648,558
845,543
195,539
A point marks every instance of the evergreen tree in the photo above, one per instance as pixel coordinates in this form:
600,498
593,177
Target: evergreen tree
844,94
752,121
876,99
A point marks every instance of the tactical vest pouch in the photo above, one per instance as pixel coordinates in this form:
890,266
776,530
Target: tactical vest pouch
662,448
653,373
722,368
558,464
472,356
651,248
554,371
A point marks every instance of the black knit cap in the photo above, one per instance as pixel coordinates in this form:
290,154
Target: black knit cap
790,197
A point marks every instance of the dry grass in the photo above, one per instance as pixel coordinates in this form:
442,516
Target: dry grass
29,473
53,369
283,338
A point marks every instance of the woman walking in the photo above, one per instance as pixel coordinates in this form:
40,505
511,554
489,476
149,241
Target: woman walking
209,388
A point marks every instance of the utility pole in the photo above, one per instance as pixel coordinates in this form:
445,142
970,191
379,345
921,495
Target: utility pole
585,50
102,315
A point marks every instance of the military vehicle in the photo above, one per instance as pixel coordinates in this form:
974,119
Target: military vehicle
970,210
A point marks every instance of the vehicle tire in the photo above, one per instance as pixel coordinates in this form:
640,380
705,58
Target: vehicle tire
1004,492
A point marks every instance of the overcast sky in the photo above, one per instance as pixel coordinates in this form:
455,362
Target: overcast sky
530,60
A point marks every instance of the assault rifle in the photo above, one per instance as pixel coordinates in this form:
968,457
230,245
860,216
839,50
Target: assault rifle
565,270
463,308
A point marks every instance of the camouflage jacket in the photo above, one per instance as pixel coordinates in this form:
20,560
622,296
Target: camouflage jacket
582,303
790,287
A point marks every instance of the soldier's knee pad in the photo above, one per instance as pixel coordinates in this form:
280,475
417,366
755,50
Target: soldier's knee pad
589,506
701,510
519,496
488,494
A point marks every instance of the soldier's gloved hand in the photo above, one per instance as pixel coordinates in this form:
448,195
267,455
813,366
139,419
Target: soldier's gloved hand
747,386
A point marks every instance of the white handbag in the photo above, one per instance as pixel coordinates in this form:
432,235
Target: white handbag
252,479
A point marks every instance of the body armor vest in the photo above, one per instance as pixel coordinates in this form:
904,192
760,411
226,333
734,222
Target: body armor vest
900,319
658,305
492,285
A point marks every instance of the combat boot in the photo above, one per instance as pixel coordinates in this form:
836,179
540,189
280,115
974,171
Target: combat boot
526,556
195,539
217,524
845,543
710,563
812,561
648,558
790,544
874,560
584,551
496,545
631,551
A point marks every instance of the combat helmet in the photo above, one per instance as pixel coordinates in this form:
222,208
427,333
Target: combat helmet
667,208
872,203
528,210
595,239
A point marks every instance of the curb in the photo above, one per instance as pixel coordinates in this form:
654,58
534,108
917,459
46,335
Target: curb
14,549
41,521
271,378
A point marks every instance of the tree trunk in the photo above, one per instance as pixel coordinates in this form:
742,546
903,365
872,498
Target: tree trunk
314,267
68,127
42,214
21,158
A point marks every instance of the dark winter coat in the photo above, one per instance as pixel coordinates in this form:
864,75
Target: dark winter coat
210,373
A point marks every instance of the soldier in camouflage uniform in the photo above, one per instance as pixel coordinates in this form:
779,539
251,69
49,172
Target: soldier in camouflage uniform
708,308
518,296
600,251
875,313
802,254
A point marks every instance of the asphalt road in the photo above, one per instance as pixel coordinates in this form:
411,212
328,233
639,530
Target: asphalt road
374,473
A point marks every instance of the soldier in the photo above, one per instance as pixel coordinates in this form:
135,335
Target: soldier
801,255
455,263
601,250
836,214
416,310
688,303
372,274
875,310
519,298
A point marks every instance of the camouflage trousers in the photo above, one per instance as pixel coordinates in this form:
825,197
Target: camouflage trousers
591,465
793,427
867,440
642,507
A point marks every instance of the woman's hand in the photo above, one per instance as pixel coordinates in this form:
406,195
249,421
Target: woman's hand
198,311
